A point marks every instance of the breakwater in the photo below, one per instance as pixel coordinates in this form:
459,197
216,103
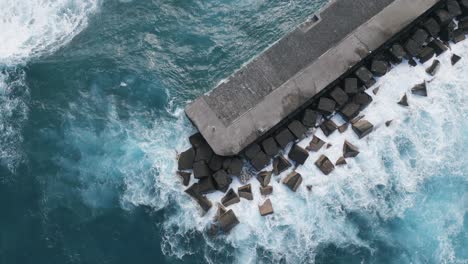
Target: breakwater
427,36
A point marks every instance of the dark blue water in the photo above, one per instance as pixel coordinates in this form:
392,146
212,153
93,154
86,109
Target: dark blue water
91,118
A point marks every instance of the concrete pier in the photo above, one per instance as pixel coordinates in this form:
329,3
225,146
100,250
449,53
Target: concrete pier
296,68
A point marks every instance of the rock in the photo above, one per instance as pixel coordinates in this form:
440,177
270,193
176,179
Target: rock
326,106
284,138
216,163
228,221
270,147
341,161
266,208
298,155
264,177
325,165
230,198
404,101
260,161
453,8
464,6
201,170
412,47
328,127
204,203
354,120
420,36
458,35
203,152
397,53
206,185
365,76
339,96
426,54
379,67
343,128
267,190
309,188
251,151
463,25
412,62
443,17
245,192
362,99
235,167
309,118
349,150
388,123
420,89
186,159
350,110
434,68
222,180
351,86
280,164
446,33
432,27
376,90
329,145
293,180
297,129
197,140
455,59
438,46
316,144
185,176
362,128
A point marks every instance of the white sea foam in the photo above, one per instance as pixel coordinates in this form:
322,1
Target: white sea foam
382,182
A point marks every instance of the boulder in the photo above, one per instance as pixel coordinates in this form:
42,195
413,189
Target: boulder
446,33
432,27
216,163
293,180
420,36
298,155
375,91
309,119
349,150
397,53
309,188
234,167
316,144
351,86
264,177
204,203
270,147
426,54
362,128
201,170
420,89
412,47
329,145
280,164
379,67
245,192
197,140
284,137
267,190
206,185
260,161
343,128
404,101
252,150
228,221
463,24
434,68
388,123
297,129
357,118
325,165
203,152
230,198
365,76
455,59
339,96
266,208
341,161
412,62
454,8
186,159
350,110
464,6
222,180
362,99
326,106
185,176
458,35
328,127
438,46
443,17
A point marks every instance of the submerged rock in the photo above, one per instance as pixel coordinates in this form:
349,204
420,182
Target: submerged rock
388,123
185,176
204,203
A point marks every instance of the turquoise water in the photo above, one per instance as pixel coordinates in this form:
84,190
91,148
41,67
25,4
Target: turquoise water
91,118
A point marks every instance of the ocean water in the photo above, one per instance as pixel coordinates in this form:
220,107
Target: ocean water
91,120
